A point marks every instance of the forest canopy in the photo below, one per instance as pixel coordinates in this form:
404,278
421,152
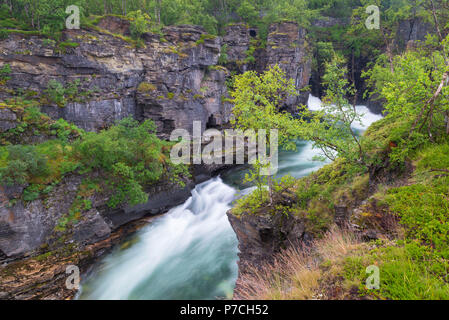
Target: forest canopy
49,15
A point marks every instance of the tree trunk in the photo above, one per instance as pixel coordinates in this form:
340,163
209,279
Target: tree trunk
158,16
388,49
270,189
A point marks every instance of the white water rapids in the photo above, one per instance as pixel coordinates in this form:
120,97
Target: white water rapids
191,252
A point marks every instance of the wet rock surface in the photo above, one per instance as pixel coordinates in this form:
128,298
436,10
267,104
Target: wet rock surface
262,236
286,48
173,80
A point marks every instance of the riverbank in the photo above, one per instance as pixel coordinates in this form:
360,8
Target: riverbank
348,224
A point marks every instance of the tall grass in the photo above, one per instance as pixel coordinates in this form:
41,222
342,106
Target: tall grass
295,272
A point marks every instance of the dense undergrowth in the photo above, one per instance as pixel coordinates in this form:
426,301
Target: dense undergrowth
126,158
411,251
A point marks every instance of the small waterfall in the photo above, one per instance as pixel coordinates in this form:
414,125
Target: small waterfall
367,116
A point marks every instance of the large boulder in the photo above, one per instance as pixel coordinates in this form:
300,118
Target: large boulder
261,237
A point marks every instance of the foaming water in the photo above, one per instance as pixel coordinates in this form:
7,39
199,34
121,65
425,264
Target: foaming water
367,117
314,103
189,253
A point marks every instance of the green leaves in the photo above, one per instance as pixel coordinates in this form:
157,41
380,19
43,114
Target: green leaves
131,156
247,12
5,71
330,129
415,91
22,162
257,103
140,23
55,92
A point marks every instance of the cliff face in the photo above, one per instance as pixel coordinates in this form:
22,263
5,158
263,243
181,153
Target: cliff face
29,226
287,48
167,81
173,80
180,84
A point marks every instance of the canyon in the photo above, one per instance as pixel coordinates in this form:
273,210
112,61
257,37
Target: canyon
174,79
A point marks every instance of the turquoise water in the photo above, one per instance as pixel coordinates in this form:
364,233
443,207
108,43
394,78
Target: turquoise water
191,252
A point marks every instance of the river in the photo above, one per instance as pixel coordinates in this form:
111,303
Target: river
191,252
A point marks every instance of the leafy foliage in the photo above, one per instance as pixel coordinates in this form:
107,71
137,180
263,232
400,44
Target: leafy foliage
416,90
140,23
5,71
131,155
258,100
330,129
22,162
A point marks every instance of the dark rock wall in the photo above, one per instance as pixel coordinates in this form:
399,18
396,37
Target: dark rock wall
27,227
286,47
173,80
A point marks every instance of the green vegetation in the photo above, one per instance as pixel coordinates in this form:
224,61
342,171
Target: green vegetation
63,46
412,257
131,155
22,163
416,266
48,17
145,87
60,95
257,100
32,122
5,71
330,129
203,37
223,58
396,175
140,23
128,156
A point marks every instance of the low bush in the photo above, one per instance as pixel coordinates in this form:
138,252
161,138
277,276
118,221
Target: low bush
21,163
131,155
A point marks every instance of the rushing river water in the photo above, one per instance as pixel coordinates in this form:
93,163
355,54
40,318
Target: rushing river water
191,252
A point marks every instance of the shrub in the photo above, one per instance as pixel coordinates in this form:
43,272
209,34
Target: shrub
5,71
140,23
131,155
55,92
146,87
251,203
223,58
22,162
32,192
65,131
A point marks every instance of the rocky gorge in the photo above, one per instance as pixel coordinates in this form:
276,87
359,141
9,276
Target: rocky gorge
172,78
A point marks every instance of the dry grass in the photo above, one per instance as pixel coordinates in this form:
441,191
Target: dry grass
296,272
